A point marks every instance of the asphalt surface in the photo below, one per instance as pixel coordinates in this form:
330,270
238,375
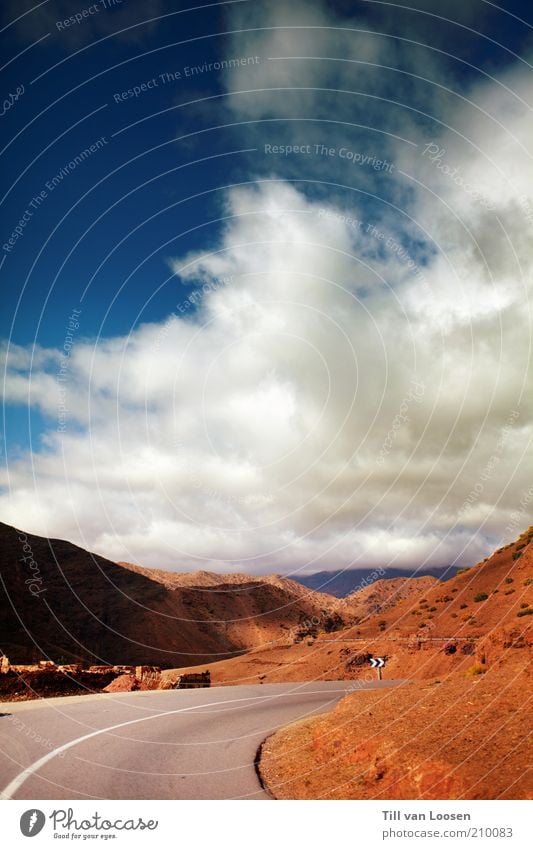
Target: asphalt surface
169,744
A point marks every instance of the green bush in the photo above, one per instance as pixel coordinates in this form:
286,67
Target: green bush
480,597
509,580
528,612
463,606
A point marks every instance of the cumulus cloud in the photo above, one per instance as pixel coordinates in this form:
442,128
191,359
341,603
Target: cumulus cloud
346,383
336,75
305,414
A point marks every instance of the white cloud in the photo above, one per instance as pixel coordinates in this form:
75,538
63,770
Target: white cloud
250,433
351,386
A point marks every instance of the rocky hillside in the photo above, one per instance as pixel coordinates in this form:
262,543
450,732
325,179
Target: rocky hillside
385,594
457,737
213,582
495,593
462,733
62,602
431,629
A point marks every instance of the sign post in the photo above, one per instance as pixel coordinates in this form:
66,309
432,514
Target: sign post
378,663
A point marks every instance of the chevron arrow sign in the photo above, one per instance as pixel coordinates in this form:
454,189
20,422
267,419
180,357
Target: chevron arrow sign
377,662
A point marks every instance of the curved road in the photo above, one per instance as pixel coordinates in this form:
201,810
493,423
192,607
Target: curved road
160,744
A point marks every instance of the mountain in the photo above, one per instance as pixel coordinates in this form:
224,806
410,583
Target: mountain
421,626
344,582
459,732
474,603
62,602
385,594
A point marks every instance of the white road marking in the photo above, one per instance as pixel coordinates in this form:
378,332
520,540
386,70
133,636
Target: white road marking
19,780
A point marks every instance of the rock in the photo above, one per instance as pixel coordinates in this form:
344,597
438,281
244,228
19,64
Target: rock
123,684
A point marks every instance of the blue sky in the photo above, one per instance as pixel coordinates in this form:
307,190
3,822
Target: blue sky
297,122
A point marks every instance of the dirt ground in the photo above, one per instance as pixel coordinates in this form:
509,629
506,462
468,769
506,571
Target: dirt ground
462,736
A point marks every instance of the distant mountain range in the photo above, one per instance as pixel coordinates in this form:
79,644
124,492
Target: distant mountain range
342,583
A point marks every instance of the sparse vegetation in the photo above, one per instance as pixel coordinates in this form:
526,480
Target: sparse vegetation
481,597
476,669
509,580
527,612
508,592
463,606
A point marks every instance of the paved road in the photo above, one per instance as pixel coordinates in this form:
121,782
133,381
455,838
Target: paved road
173,744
